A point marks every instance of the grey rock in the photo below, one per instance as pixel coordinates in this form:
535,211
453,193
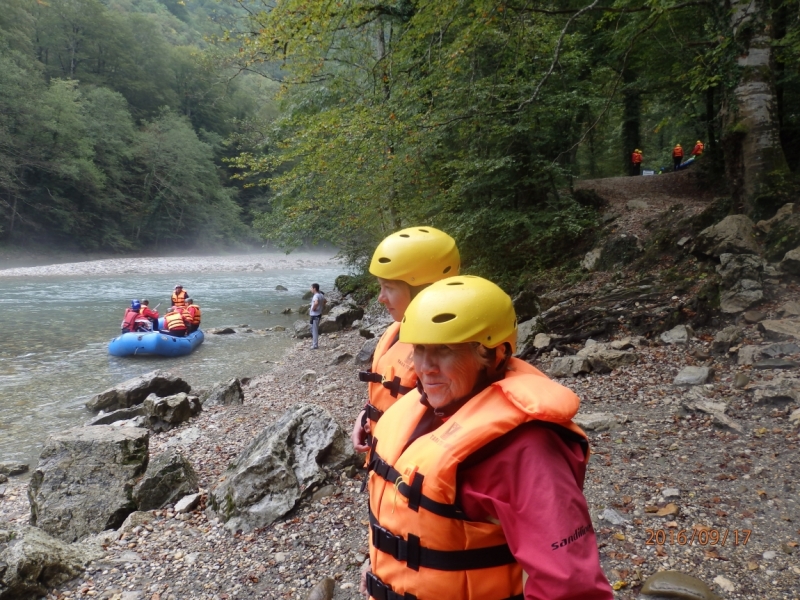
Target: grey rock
375,320
364,356
224,394
611,516
694,376
280,466
222,330
780,329
526,305
745,295
34,563
526,333
674,584
123,414
3,488
308,295
567,366
84,481
302,329
777,392
741,285
747,355
636,204
140,421
280,288
542,340
165,413
621,249
596,421
783,212
780,349
795,417
343,316
623,344
753,316
695,401
341,358
187,503
740,380
775,363
308,375
591,259
671,493
323,590
286,311
791,262
603,359
769,555
13,469
169,477
734,235
684,240
723,340
680,334
134,391
789,309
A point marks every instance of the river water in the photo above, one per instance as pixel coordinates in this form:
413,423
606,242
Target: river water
54,331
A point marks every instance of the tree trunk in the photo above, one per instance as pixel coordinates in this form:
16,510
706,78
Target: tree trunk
751,117
631,118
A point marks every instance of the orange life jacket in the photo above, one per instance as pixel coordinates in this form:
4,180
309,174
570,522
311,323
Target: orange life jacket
698,149
193,312
392,373
179,299
677,152
420,542
174,321
636,157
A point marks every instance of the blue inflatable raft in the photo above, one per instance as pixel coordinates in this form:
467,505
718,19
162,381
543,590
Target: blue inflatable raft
154,344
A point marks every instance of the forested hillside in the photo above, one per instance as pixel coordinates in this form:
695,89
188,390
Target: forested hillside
477,115
113,115
121,121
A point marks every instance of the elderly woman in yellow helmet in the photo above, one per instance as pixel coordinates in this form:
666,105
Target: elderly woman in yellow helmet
477,475
404,263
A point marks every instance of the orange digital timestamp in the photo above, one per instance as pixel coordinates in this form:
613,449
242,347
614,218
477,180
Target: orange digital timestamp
701,537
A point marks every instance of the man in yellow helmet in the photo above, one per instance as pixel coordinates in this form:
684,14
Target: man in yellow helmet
404,263
698,149
477,475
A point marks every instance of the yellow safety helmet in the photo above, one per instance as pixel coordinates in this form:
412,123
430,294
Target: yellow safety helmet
416,255
699,142
637,150
458,310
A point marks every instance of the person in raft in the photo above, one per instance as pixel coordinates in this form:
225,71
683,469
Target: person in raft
476,476
175,322
179,297
404,263
192,315
149,313
129,318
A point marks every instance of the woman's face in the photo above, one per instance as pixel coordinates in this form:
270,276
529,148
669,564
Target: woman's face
395,296
447,372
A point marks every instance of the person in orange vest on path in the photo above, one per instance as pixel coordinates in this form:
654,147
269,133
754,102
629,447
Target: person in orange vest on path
476,476
636,160
404,262
150,313
175,322
698,149
192,313
677,157
179,297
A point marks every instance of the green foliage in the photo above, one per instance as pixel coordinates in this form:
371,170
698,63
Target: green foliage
362,286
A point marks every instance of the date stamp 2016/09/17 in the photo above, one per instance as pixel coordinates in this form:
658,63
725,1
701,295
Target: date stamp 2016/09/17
701,537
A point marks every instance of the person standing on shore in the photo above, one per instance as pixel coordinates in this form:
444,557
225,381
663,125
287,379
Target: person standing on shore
636,162
476,476
405,262
318,302
677,156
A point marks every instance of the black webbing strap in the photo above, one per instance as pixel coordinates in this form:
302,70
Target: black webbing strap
416,556
380,591
370,377
413,493
395,388
373,414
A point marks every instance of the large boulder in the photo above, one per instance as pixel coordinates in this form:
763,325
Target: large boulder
375,320
302,329
224,394
569,366
165,413
526,305
526,333
791,262
740,286
365,355
733,235
84,481
784,235
780,329
726,338
169,477
123,414
789,309
782,214
619,249
604,359
32,563
279,467
134,391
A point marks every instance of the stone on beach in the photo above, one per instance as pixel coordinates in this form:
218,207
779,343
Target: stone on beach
135,390
569,366
680,334
165,413
169,477
122,414
223,394
13,468
733,235
693,376
84,481
780,329
277,468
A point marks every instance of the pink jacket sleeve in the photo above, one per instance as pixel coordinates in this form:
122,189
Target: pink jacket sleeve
533,484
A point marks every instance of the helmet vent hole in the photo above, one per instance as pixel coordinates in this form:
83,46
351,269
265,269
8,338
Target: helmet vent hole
446,269
456,283
424,231
404,235
443,318
384,260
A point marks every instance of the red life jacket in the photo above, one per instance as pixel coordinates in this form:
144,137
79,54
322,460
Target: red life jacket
636,157
677,152
129,319
146,311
